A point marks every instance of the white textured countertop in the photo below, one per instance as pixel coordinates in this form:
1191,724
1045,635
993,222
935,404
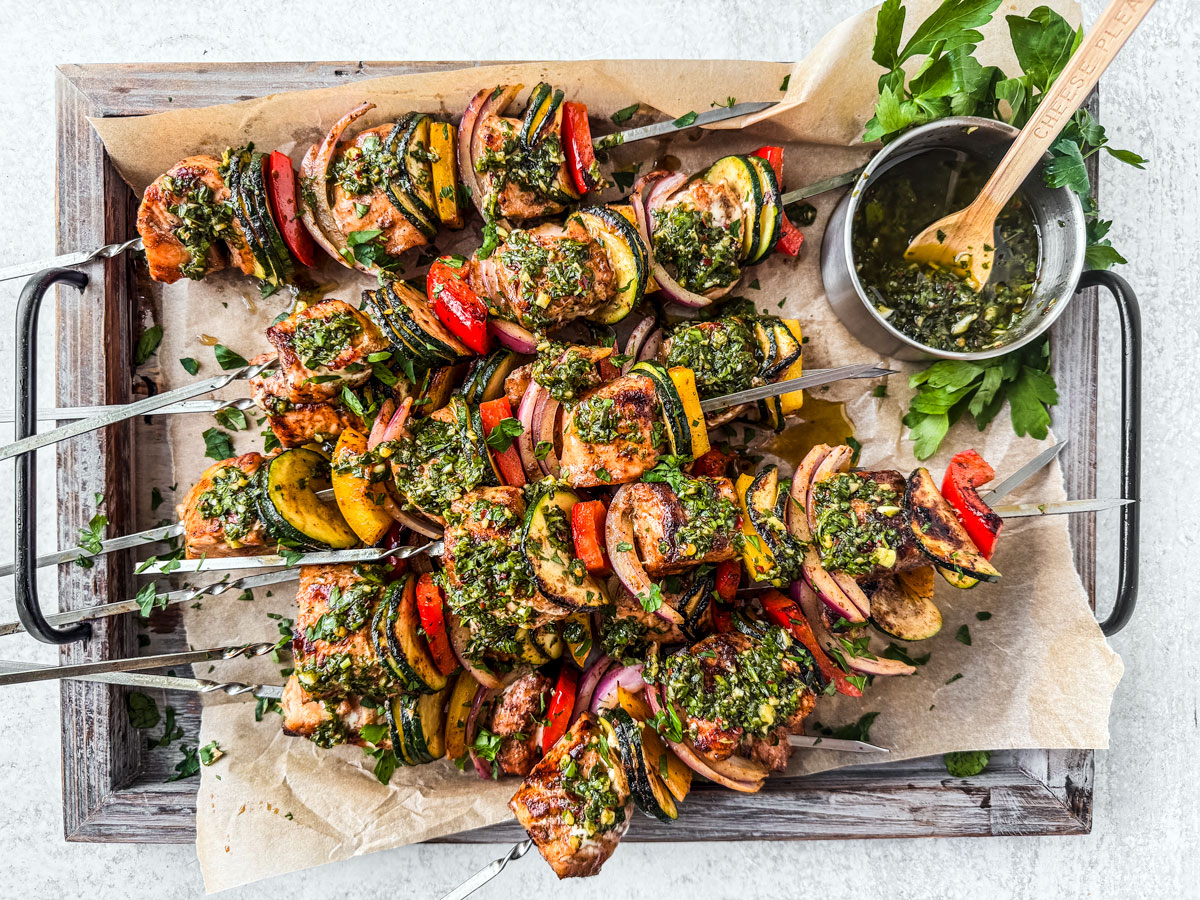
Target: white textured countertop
1147,786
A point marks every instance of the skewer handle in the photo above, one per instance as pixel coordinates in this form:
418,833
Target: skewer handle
29,608
78,258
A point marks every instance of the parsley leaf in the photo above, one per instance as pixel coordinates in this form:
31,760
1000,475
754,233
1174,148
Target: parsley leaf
502,436
142,710
217,444
685,120
210,753
651,599
232,418
624,115
963,635
147,344
190,365
966,763
227,359
188,766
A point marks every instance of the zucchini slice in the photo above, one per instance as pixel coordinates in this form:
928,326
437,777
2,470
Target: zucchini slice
439,385
544,104
547,543
649,792
444,167
413,316
458,710
694,604
396,733
740,175
792,401
962,582
234,180
902,605
422,721
407,205
290,508
416,173
939,533
770,215
380,623
380,308
684,380
486,379
768,346
281,257
787,350
675,417
770,411
409,654
626,254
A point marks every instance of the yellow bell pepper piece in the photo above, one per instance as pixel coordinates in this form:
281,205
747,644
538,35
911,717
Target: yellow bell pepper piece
793,400
442,142
684,380
356,497
760,561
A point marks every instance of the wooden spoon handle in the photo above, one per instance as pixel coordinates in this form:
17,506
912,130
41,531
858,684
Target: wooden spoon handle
1068,92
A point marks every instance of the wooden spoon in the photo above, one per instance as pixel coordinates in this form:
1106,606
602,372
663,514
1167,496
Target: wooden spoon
965,241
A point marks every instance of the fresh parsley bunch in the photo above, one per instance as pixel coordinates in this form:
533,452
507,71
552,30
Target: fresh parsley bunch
949,388
951,82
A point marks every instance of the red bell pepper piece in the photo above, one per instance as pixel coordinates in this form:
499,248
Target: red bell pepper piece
713,464
281,192
458,307
790,237
729,576
722,619
607,371
577,146
587,530
433,623
562,704
508,461
785,612
966,472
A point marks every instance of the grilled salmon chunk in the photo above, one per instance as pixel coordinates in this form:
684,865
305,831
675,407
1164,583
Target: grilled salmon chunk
327,722
498,137
220,512
576,828
321,348
515,718
762,680
371,209
295,424
674,532
183,211
883,546
333,644
486,571
610,437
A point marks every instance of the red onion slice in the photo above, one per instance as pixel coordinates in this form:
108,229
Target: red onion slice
628,677
807,599
512,335
587,686
652,346
637,339
545,428
525,444
320,221
618,532
459,635
483,696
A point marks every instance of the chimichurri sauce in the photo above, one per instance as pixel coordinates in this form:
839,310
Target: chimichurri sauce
933,305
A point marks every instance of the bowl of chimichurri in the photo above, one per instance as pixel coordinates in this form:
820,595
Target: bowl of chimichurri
912,311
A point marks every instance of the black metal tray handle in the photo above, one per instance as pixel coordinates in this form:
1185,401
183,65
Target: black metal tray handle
1131,443
29,609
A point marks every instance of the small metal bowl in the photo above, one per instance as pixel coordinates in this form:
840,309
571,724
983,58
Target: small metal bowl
1062,239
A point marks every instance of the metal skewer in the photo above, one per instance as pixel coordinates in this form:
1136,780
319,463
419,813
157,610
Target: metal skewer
184,407
820,187
187,595
115,414
161,533
69,260
1023,474
620,138
164,682
27,672
275,561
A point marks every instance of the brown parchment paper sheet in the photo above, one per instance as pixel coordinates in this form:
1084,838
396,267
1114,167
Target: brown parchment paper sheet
1037,674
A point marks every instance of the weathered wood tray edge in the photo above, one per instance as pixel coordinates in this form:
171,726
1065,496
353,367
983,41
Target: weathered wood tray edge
109,796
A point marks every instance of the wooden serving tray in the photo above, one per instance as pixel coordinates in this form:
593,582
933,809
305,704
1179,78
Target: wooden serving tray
114,791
